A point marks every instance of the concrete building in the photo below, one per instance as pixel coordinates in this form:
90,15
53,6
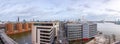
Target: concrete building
43,33
60,33
89,30
17,27
74,31
77,31
9,28
25,26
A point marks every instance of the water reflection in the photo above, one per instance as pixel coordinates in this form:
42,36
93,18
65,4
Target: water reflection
22,38
109,29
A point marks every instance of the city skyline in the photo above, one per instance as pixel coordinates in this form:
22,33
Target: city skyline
59,9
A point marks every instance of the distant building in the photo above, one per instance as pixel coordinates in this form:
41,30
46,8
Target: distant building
2,25
43,33
17,27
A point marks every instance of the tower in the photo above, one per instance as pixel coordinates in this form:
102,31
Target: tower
18,20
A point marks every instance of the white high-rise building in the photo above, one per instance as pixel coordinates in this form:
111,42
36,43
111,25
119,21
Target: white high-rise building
89,30
93,30
43,33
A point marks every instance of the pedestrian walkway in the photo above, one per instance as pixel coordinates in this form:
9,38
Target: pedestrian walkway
4,39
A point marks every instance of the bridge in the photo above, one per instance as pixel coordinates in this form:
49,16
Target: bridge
4,39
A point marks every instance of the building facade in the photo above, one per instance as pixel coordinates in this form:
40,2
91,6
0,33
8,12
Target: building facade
89,30
74,31
43,33
77,31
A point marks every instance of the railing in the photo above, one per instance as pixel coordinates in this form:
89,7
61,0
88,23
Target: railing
6,39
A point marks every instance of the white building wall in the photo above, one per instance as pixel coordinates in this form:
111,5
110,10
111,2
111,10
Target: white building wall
85,30
89,30
36,34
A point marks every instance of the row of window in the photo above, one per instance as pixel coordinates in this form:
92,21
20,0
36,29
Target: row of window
38,24
44,41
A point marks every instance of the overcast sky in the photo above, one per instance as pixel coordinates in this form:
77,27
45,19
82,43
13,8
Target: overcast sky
59,9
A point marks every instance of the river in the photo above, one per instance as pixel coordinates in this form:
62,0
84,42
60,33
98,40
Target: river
109,28
22,38
105,28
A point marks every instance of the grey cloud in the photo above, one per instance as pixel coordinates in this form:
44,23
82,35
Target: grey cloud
112,10
49,9
105,1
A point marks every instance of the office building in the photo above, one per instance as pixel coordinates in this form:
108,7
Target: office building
77,31
89,30
43,33
74,31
